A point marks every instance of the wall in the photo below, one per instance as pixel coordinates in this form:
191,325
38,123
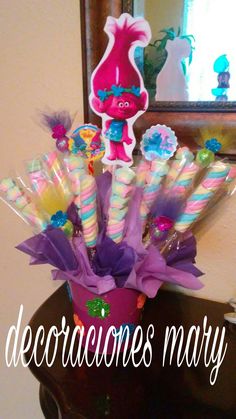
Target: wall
41,67
162,14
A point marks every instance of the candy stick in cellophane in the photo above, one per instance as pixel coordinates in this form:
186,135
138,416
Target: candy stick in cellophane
88,210
201,196
154,177
47,196
51,189
158,146
185,179
57,174
76,168
183,157
122,188
184,174
143,168
183,170
225,191
22,203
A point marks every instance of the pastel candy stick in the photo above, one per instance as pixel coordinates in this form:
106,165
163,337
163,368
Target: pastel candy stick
88,211
182,157
116,202
57,174
226,189
15,196
185,179
124,176
158,145
198,201
121,192
142,171
158,171
76,169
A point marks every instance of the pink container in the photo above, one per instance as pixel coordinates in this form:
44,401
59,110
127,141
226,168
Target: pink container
119,307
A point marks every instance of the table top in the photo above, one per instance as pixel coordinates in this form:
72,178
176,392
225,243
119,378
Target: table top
158,391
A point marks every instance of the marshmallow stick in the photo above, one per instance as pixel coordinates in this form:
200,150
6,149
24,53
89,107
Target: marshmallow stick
57,174
76,169
158,170
142,171
185,179
88,211
198,201
182,157
26,208
121,193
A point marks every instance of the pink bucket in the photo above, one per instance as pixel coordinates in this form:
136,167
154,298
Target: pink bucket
119,308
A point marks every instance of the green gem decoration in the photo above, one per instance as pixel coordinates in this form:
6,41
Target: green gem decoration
205,157
68,228
98,308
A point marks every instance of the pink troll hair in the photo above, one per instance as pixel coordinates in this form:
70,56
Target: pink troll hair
117,66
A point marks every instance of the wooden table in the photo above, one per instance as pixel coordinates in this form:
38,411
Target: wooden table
155,392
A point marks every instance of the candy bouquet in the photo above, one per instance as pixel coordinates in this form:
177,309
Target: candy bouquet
117,237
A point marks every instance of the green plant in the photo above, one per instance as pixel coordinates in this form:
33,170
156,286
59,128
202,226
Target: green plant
155,55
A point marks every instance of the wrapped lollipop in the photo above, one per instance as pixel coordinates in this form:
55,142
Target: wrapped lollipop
87,142
59,123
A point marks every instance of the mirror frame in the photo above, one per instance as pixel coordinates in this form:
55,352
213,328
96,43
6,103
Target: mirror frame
185,118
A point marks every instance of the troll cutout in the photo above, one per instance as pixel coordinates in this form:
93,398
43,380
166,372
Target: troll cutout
118,94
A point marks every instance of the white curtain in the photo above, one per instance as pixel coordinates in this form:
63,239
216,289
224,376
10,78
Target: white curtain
213,24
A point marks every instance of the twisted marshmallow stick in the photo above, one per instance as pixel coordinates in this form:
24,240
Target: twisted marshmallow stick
154,178
15,195
185,179
182,157
197,202
88,211
121,193
76,169
141,172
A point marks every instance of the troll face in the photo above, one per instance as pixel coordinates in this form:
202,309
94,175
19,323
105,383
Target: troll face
123,107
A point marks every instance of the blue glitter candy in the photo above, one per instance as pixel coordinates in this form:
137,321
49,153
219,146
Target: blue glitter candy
213,145
59,219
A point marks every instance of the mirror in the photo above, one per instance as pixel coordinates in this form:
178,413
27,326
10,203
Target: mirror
191,120
191,60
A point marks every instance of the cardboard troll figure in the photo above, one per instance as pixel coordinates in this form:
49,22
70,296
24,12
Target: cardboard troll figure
118,94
